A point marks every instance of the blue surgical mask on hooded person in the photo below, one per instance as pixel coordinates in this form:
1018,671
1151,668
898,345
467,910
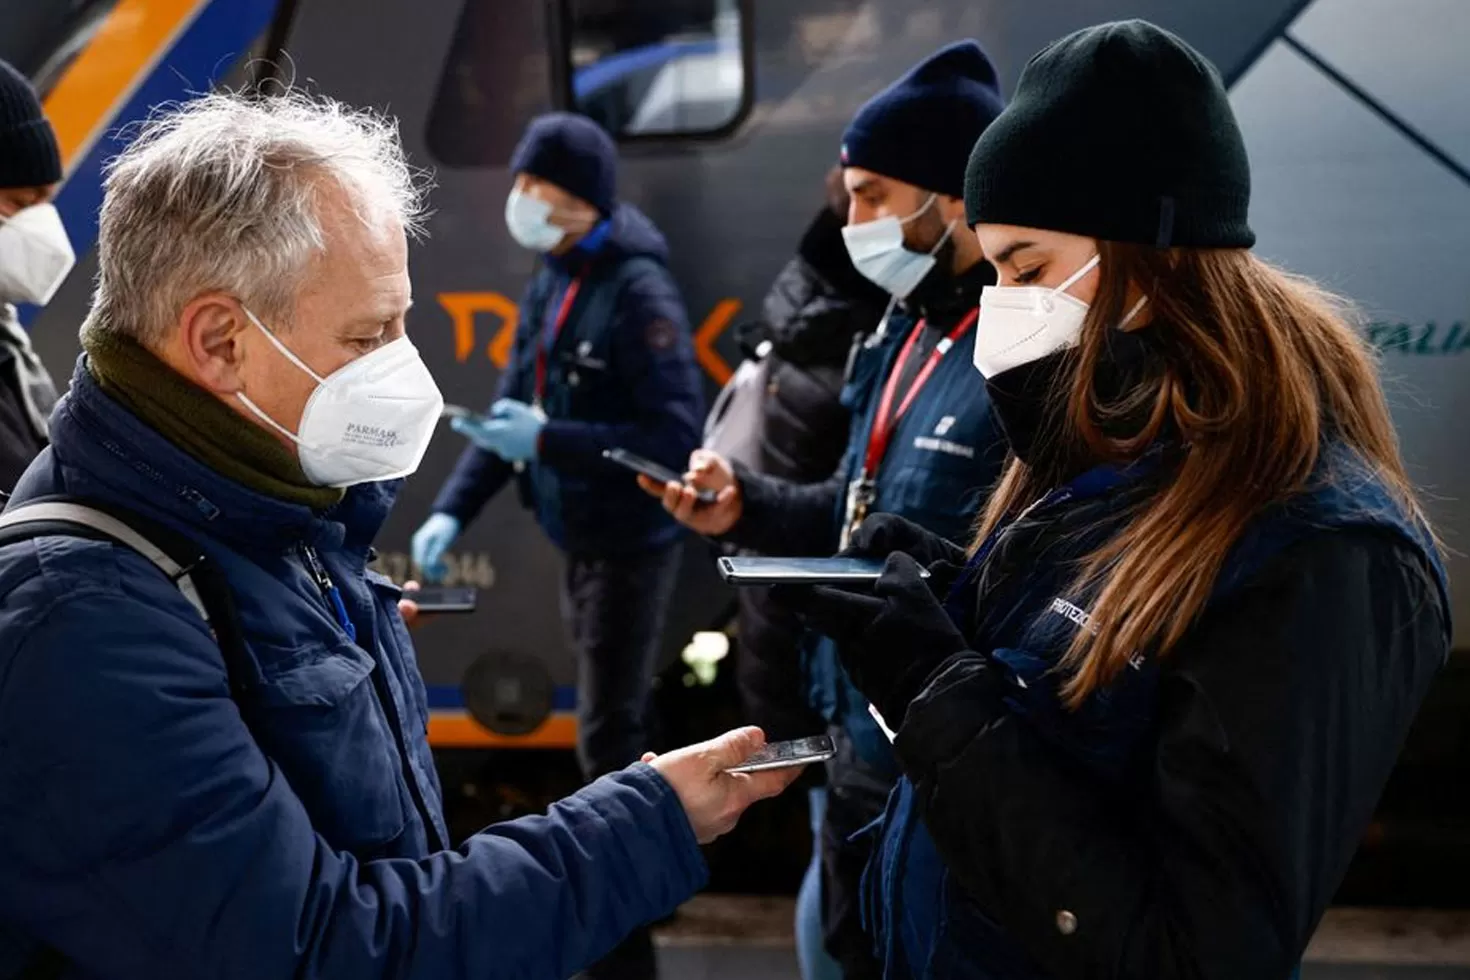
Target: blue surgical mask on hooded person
529,221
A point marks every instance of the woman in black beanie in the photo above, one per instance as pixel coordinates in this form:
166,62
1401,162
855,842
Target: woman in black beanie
1145,720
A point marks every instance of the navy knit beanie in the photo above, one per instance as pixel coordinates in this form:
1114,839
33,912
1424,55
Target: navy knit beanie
921,128
28,153
1120,132
572,152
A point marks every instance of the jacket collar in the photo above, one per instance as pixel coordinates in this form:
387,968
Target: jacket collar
943,299
108,453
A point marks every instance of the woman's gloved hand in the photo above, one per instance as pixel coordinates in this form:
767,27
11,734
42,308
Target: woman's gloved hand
890,641
429,543
884,534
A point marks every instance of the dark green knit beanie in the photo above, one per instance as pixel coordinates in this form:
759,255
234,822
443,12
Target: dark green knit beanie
1119,132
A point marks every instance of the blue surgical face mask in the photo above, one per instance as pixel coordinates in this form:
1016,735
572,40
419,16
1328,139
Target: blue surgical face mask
877,251
528,219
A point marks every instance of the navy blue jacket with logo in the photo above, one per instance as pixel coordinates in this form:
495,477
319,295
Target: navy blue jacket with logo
154,825
941,462
1193,818
621,374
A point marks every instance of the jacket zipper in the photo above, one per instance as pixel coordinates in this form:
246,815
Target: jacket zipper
332,596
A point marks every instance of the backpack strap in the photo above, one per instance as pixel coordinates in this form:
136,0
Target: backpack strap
44,518
180,560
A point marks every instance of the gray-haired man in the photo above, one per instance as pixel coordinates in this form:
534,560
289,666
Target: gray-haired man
174,810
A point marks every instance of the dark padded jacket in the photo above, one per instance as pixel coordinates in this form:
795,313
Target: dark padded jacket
166,814
1193,818
813,312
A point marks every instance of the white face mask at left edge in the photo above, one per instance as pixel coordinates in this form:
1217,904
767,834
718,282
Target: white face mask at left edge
35,255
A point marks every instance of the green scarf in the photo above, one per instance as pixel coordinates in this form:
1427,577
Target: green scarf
199,423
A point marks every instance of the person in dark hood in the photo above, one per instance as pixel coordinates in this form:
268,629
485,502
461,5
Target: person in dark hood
925,444
35,257
1144,720
814,312
603,359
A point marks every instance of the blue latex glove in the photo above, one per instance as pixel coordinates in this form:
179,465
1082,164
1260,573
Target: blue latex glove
511,431
430,542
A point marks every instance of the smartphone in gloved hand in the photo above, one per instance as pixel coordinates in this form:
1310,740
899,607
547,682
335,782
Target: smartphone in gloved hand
460,412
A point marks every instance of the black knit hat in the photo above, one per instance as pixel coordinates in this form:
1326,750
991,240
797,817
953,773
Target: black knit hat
920,129
572,152
1120,132
28,153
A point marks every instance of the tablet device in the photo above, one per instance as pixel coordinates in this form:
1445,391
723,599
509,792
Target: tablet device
761,570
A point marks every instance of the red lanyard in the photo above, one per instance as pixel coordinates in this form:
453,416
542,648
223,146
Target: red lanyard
886,421
545,344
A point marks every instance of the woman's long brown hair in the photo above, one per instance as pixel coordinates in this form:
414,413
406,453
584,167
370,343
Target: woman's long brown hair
1250,367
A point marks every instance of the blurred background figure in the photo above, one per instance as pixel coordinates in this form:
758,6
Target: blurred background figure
817,308
602,360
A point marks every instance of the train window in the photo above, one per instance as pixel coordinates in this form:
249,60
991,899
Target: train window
658,68
496,78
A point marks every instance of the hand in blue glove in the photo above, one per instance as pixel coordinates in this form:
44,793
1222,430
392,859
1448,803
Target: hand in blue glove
431,541
511,431
891,641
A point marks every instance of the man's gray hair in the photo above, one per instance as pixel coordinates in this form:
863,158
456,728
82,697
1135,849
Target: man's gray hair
222,193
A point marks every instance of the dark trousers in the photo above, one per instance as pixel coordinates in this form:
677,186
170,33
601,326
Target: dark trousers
856,796
615,609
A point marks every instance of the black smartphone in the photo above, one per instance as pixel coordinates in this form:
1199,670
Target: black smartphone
762,570
443,599
460,412
784,755
652,470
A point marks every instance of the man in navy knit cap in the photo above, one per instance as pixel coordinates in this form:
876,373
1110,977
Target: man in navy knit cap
924,446
35,256
603,359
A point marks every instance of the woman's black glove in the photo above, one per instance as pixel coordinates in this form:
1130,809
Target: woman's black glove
890,641
883,534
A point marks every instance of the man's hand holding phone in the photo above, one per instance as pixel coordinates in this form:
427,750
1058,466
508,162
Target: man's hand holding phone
713,797
707,471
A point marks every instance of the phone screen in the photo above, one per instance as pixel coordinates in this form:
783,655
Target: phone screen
458,412
443,599
654,471
784,755
743,570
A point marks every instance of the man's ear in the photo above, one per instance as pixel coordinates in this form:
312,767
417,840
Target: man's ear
951,209
211,329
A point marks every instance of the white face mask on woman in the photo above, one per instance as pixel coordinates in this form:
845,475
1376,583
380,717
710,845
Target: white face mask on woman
35,255
877,251
369,420
1021,324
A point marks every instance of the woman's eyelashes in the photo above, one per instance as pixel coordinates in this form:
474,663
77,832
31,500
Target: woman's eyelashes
1027,276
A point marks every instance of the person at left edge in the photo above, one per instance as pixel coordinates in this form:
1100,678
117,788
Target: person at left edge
35,257
602,358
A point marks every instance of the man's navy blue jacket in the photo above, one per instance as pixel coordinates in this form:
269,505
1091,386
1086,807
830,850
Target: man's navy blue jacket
155,822
620,374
